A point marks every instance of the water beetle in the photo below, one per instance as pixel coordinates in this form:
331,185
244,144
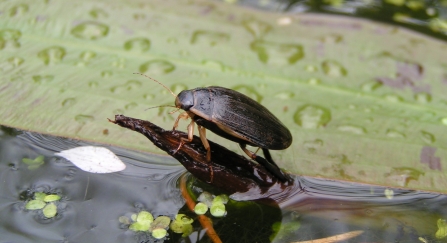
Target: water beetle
234,116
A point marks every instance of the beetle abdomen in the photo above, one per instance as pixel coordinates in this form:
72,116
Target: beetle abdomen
239,118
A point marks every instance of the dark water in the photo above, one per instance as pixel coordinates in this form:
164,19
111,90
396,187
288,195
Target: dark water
92,203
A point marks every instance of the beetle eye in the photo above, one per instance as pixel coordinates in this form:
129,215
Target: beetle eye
185,100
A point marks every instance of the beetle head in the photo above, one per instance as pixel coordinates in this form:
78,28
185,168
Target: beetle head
185,100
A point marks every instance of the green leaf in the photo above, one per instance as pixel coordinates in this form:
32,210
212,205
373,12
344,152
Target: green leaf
183,219
161,222
51,198
137,226
221,199
35,204
143,220
200,208
50,210
145,217
218,209
364,101
177,226
442,229
40,196
187,230
39,160
159,233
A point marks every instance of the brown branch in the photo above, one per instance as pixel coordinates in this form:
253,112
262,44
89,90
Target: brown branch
232,172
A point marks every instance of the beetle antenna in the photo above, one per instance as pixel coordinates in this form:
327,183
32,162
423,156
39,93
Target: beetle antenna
159,107
174,111
158,83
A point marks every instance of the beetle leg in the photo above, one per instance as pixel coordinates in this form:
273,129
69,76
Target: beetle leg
184,115
190,135
179,146
190,131
267,156
202,132
268,163
248,152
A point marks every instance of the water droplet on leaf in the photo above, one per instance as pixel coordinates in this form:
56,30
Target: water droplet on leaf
87,56
69,102
314,81
333,68
312,146
16,61
371,86
393,98
93,84
106,74
97,13
394,134
39,79
248,91
257,28
213,65
209,38
138,45
52,55
90,30
444,121
9,37
148,96
130,106
177,88
422,97
331,38
128,86
311,68
352,129
18,10
285,95
277,53
172,40
427,137
156,67
312,116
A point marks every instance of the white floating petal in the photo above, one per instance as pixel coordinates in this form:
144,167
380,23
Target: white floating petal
93,159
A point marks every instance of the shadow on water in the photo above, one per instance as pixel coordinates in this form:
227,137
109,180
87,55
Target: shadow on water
91,204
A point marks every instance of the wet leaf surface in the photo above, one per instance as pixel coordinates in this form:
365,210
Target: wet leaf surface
364,101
